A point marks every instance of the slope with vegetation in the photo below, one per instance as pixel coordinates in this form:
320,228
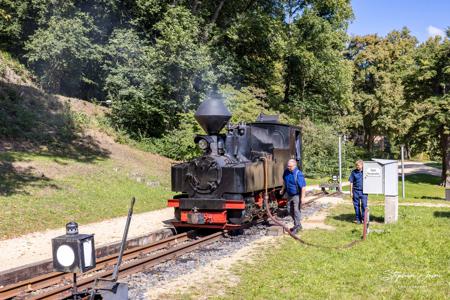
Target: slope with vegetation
59,161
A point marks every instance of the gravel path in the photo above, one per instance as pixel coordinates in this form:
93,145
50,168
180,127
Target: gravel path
35,247
414,167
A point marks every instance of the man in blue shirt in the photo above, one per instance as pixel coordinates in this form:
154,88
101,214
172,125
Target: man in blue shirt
294,184
356,192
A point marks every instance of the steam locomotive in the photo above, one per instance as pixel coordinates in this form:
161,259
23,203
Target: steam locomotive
225,186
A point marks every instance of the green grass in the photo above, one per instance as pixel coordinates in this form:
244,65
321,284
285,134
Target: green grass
63,171
316,181
406,260
418,188
434,164
81,191
7,60
409,260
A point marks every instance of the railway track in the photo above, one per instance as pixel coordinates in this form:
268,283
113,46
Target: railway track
317,197
58,285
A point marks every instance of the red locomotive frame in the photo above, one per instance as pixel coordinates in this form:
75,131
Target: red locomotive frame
217,219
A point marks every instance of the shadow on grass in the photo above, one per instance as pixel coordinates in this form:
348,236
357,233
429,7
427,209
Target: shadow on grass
434,165
378,219
442,214
14,178
33,122
351,218
345,217
423,178
430,198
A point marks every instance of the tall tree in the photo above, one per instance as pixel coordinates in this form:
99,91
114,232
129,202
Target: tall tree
317,77
150,83
380,64
429,100
19,19
60,53
183,60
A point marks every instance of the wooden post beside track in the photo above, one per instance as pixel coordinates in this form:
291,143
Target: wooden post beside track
366,223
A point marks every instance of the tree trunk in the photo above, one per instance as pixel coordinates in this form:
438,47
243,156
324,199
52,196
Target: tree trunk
370,143
194,7
287,81
216,13
445,148
368,139
407,152
213,21
287,89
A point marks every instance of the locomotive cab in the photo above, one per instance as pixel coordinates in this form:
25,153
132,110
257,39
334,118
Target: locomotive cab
223,188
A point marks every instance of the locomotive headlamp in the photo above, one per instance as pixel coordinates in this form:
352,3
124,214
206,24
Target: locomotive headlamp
203,144
73,252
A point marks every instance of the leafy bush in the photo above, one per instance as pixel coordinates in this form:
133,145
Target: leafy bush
6,60
150,84
320,151
248,103
62,52
177,144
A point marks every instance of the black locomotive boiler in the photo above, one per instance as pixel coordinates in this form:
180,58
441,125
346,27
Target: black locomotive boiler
224,188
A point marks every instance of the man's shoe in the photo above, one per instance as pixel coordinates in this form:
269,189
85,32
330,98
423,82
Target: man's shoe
295,229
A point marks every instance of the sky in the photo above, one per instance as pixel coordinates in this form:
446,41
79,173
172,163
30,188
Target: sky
423,18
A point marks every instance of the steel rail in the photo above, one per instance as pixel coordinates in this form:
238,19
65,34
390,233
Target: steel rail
127,268
54,278
320,195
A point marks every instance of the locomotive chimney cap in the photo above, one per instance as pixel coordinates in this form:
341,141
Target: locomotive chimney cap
212,115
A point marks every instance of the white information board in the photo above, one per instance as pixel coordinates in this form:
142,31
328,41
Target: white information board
390,176
372,178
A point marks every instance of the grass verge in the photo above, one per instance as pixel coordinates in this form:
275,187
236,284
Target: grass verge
316,181
434,164
72,190
407,260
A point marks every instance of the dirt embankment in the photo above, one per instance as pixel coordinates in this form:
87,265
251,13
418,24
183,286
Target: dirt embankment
50,125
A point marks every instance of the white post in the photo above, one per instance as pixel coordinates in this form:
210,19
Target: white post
403,172
340,164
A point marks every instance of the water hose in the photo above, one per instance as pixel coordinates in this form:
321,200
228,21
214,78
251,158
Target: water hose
285,228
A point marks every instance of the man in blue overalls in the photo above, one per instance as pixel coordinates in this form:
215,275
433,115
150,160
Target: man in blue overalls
294,184
356,192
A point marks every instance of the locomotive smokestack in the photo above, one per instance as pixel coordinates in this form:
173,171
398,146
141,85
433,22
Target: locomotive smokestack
212,115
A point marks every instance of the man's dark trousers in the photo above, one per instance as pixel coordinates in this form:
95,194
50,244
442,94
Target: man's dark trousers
360,204
293,208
